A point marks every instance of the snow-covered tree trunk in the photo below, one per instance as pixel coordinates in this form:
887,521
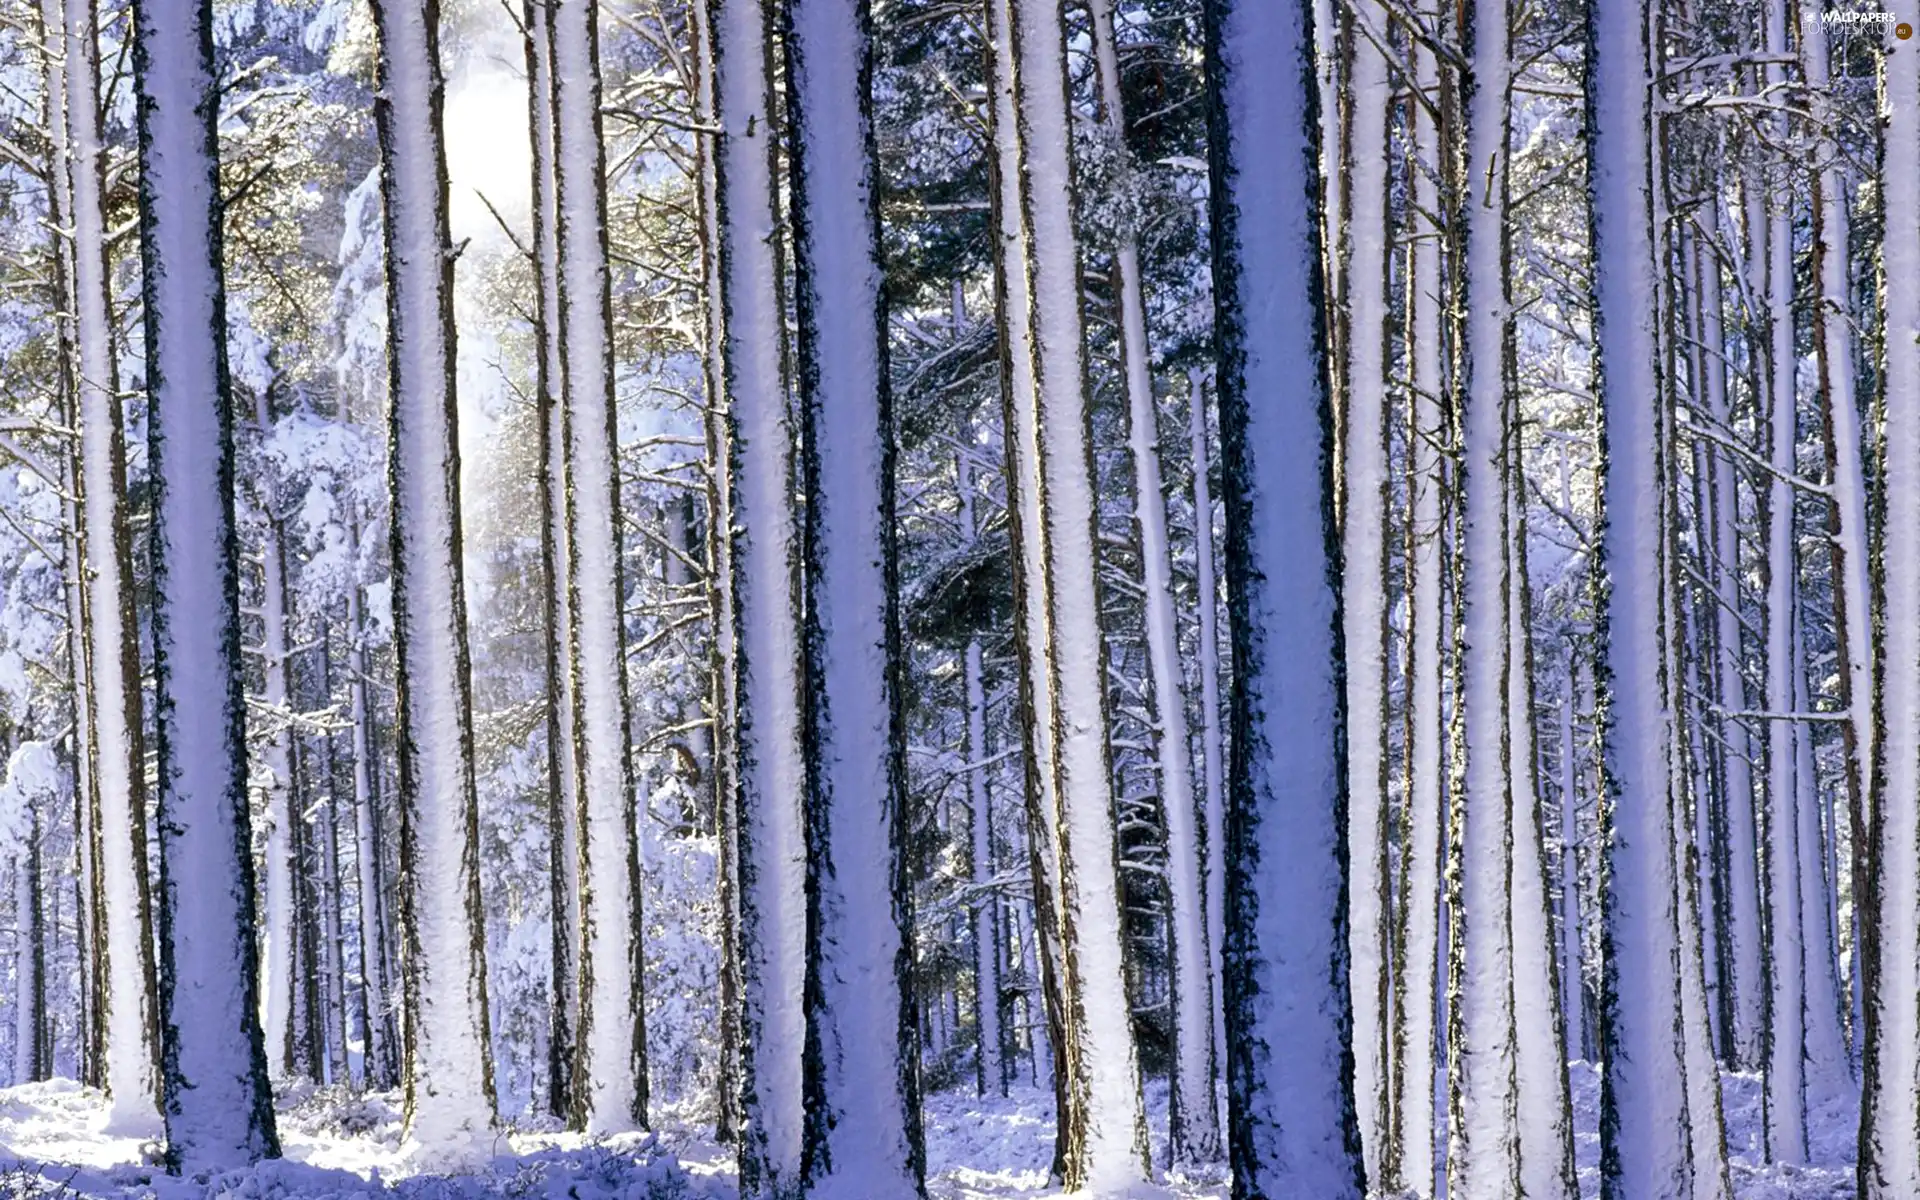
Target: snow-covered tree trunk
448,1072
1416,980
1103,1126
611,1067
215,1095
1484,1152
1833,330
1364,514
29,957
332,939
1545,1115
1014,313
722,709
1292,1127
1572,985
1193,1131
1889,1144
862,1136
1829,1067
1742,930
124,936
1786,1116
379,1035
766,622
990,1064
53,74
556,556
280,970
1646,1141
1213,752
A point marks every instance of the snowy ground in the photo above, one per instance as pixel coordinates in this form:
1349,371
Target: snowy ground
52,1144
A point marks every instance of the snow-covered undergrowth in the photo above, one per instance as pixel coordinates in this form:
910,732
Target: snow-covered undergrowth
53,1144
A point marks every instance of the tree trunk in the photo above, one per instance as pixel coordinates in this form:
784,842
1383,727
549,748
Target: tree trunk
1484,1151
124,941
1889,1145
1014,311
862,1096
215,1094
378,1032
764,554
1364,514
280,976
1193,1130
1646,1141
612,1065
448,1073
1212,733
1415,1041
556,556
1103,1124
1292,1126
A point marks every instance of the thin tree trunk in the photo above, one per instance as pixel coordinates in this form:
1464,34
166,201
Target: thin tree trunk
1786,1117
1193,1130
1545,1124
379,1035
124,945
1484,1150
1212,732
1415,1043
556,555
990,1064
279,977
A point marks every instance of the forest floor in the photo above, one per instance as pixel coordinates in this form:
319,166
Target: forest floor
339,1147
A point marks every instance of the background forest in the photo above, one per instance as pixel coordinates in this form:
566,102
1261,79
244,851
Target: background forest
961,598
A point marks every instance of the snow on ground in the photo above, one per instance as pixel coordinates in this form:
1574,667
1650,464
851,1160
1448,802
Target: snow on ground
53,1145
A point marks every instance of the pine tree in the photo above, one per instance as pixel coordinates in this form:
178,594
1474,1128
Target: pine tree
447,1070
215,1097
611,1069
1292,1127
764,556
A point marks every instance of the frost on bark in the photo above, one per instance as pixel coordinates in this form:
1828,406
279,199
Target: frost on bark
768,831
1103,1128
1212,731
1013,290
862,1135
1192,1129
1646,1139
1415,1038
1364,512
1889,1144
1292,1127
123,944
1545,1115
215,1097
447,1070
556,520
1484,1137
610,1069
